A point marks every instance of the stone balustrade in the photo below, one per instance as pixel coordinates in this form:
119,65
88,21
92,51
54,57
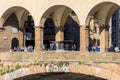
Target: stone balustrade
60,56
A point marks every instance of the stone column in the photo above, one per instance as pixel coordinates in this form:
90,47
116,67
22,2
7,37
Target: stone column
92,28
21,38
104,32
84,38
38,38
59,37
59,34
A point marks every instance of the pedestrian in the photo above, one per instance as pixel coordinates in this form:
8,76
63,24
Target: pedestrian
97,48
117,49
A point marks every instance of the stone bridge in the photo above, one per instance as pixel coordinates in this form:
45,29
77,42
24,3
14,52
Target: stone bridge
94,66
72,71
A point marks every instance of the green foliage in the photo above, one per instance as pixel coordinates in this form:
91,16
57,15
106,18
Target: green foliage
17,66
1,64
66,63
3,72
60,64
79,62
8,69
11,70
40,64
45,64
35,64
8,66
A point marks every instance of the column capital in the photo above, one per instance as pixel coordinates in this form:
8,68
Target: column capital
84,27
41,27
59,28
37,26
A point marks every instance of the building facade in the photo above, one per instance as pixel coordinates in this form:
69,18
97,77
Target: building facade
15,30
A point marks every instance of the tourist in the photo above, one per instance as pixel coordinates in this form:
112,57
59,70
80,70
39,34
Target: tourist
111,49
74,47
117,49
97,49
93,48
25,49
90,48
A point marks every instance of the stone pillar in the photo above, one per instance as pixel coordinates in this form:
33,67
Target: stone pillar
38,38
21,38
59,37
84,38
104,32
59,34
92,28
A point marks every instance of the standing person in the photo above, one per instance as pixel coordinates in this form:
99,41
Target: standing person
93,48
74,47
25,49
90,48
117,49
97,48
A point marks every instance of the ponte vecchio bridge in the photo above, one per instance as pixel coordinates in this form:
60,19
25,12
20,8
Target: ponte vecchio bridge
25,23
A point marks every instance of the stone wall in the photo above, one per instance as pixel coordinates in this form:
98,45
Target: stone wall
107,72
60,56
7,34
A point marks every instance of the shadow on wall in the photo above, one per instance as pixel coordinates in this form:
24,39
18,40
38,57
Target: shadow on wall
59,76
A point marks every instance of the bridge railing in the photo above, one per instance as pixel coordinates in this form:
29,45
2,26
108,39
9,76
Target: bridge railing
60,56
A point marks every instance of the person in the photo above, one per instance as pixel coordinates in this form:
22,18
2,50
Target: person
11,50
22,48
90,48
97,49
111,49
25,49
74,47
93,48
66,46
117,49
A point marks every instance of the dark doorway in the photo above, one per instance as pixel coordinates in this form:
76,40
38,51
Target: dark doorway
14,43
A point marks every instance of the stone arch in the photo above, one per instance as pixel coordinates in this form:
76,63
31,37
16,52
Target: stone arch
20,12
59,15
111,12
98,21
56,9
105,6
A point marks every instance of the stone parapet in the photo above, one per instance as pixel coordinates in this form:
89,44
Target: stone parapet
60,56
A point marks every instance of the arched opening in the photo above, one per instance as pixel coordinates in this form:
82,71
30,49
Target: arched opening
49,32
71,32
98,21
60,76
16,23
14,43
114,38
29,31
10,29
60,25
